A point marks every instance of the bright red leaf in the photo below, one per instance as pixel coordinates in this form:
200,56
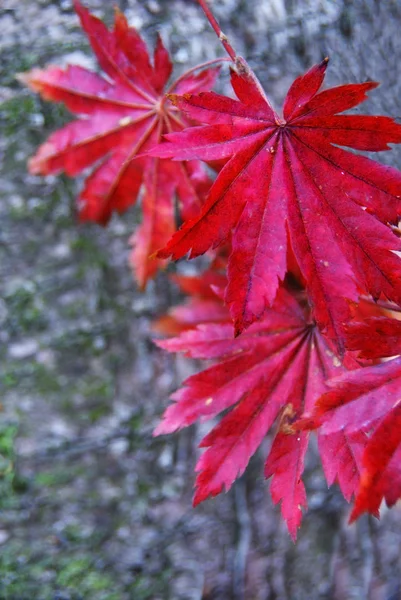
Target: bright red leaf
277,367
122,114
290,177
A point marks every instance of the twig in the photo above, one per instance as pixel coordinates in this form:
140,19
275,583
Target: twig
222,37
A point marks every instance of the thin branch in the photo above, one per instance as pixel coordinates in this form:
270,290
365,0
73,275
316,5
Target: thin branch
222,37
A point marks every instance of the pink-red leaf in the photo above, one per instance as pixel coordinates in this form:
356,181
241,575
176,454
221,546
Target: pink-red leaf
121,116
367,403
278,366
291,173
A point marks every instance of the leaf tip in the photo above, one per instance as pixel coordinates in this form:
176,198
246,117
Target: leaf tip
198,497
155,432
35,166
161,429
120,21
323,65
353,516
31,79
358,511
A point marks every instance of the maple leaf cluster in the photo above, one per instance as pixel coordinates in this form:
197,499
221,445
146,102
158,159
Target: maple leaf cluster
301,303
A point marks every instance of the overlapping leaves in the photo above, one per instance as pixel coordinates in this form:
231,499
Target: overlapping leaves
287,180
369,403
272,373
289,200
289,189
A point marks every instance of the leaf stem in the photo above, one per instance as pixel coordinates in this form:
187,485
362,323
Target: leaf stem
213,22
215,61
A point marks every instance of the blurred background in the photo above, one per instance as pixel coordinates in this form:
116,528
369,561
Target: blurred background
91,506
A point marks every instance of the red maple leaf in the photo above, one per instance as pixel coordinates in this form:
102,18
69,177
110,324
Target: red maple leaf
122,114
368,402
275,370
289,178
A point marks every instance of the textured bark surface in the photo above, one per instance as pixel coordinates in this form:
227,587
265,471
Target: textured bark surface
92,506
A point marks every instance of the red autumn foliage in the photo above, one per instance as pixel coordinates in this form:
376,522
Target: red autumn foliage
287,181
276,370
122,114
299,307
